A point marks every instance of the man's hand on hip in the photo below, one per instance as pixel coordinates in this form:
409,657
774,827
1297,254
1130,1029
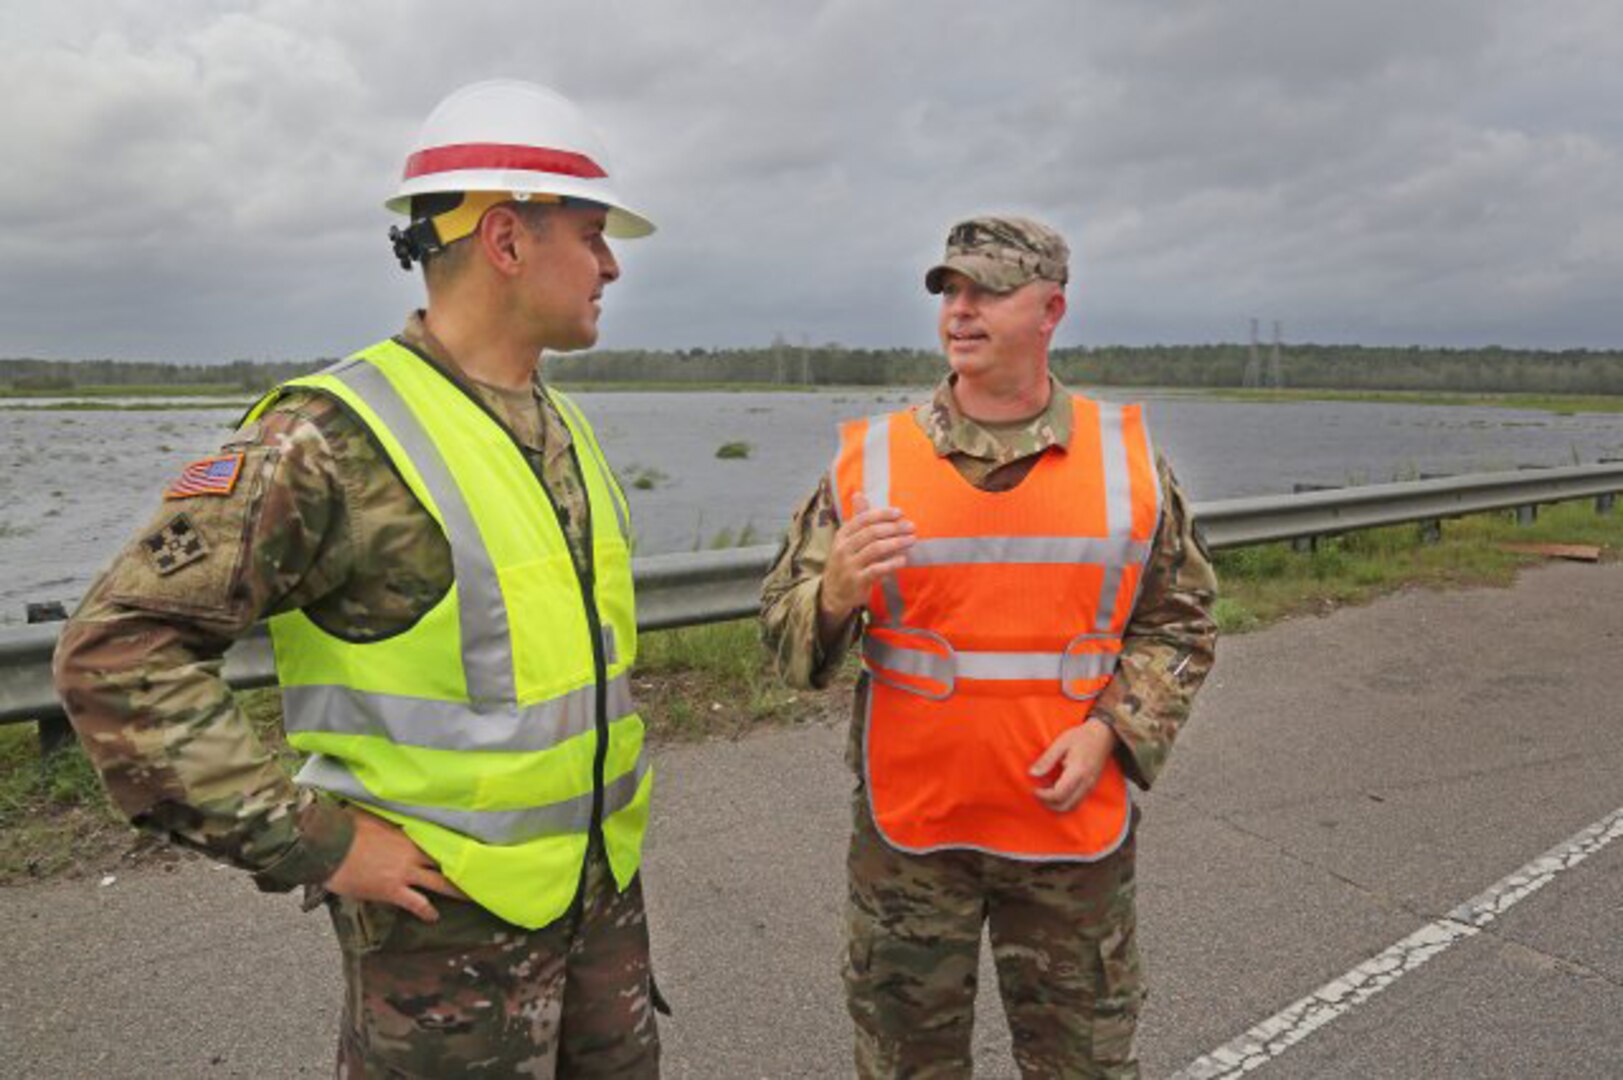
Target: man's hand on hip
1074,760
866,548
384,865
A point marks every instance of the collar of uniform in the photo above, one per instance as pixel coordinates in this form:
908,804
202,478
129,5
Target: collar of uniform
951,432
554,435
422,340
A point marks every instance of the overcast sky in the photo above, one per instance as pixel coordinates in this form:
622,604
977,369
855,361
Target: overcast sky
202,180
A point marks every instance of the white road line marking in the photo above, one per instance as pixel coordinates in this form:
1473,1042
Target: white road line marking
1297,1021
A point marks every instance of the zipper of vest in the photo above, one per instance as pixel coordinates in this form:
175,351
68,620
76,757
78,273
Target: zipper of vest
587,579
594,622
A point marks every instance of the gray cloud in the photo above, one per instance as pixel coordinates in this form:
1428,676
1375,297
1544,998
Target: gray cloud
202,180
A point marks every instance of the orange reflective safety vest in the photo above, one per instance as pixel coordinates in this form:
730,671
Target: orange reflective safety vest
1003,627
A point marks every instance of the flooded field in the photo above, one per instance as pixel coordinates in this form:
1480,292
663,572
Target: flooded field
75,484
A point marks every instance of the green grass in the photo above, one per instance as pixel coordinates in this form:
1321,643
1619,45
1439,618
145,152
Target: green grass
53,814
702,681
734,450
1561,404
1261,585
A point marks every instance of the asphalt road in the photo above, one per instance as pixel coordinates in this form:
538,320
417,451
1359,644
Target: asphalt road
1347,780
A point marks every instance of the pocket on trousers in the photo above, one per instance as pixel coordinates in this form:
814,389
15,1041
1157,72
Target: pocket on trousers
362,926
859,946
1120,995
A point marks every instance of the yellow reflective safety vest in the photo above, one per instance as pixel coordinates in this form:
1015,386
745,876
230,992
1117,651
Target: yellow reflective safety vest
498,730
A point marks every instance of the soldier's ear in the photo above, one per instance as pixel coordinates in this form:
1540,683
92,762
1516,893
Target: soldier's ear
1053,309
498,237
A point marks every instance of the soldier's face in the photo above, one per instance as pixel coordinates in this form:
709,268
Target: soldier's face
985,334
568,265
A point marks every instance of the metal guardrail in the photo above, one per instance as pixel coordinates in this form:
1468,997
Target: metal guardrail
712,586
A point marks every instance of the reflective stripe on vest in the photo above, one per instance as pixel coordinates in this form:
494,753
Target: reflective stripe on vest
1115,553
1001,628
489,826
450,725
479,728
486,648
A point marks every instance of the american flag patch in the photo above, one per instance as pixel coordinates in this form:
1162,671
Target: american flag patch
210,476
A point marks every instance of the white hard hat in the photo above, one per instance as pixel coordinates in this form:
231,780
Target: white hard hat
505,135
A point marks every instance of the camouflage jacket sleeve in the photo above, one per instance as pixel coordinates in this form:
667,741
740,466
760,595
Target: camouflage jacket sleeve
1169,644
139,664
789,597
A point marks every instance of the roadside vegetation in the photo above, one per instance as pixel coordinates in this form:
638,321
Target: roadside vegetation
715,681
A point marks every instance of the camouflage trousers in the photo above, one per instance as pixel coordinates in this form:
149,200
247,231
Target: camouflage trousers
472,995
1063,939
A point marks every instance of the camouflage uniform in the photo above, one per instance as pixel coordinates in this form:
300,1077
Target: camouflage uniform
319,520
1063,934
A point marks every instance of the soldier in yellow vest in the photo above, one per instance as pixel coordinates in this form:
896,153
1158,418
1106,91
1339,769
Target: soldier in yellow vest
443,556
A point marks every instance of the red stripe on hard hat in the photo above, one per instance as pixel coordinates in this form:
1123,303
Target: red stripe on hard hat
542,159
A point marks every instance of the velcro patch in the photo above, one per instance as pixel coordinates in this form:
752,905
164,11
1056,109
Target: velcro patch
175,545
209,476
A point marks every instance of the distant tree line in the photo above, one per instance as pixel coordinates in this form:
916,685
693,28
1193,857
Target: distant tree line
1348,367
65,376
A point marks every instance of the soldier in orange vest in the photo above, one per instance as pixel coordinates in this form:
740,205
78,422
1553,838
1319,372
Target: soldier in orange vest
1032,606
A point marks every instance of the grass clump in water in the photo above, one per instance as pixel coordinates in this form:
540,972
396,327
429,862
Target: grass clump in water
645,477
734,451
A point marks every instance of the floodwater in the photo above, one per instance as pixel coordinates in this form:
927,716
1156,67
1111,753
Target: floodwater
75,485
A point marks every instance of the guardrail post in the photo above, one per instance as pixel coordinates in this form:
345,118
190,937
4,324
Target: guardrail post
55,733
1431,530
1306,545
1605,503
1527,515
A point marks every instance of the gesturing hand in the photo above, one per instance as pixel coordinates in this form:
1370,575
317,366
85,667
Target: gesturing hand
866,548
383,864
1076,758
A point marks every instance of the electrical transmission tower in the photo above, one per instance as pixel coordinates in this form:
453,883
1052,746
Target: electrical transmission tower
1253,364
1276,369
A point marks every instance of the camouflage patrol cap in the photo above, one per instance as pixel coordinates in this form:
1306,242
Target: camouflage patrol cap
1002,254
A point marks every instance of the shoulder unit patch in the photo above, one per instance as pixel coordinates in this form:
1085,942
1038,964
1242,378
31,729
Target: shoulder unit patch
175,545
